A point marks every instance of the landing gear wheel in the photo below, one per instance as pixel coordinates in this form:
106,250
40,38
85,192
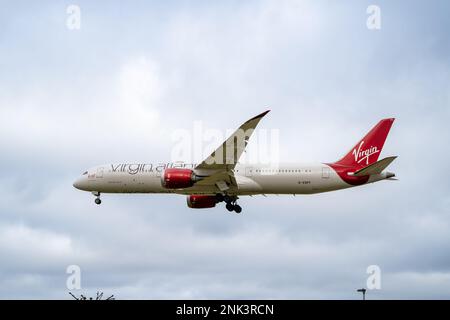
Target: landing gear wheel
98,201
237,208
229,207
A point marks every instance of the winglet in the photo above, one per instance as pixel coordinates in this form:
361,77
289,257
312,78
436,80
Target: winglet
259,116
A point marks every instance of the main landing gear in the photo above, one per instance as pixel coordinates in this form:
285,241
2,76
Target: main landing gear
97,195
230,201
233,207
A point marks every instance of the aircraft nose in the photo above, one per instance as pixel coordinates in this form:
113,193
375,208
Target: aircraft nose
79,183
76,184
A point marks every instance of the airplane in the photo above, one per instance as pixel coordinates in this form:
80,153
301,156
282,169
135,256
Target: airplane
220,177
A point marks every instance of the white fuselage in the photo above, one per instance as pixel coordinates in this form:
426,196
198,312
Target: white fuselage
250,179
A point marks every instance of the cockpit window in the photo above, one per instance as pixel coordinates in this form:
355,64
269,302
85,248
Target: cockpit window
85,173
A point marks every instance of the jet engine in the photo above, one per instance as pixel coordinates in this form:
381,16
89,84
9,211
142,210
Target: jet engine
177,178
201,201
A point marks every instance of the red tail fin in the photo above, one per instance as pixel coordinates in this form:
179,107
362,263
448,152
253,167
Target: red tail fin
368,149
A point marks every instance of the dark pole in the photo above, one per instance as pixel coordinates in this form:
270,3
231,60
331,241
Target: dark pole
363,290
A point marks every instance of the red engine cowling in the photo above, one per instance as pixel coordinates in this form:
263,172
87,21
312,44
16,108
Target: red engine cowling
177,178
201,201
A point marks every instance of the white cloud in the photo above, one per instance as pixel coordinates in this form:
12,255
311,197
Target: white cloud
120,114
140,89
40,249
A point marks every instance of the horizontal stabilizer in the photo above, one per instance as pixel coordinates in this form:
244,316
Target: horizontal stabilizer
375,168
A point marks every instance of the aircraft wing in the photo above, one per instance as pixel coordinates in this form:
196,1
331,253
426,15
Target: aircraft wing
227,155
222,180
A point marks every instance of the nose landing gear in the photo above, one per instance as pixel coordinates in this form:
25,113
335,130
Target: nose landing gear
97,199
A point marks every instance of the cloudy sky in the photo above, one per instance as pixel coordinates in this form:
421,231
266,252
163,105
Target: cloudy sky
115,91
